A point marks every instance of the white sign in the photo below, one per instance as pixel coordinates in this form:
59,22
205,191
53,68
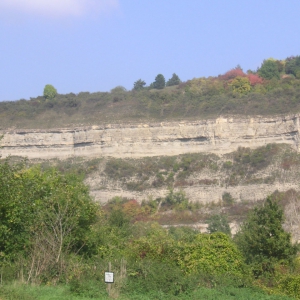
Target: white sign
109,277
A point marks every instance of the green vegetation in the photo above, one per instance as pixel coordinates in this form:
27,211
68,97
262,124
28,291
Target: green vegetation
244,166
240,85
44,217
269,164
218,223
273,89
16,292
49,91
174,80
292,66
159,82
139,85
55,242
269,69
263,240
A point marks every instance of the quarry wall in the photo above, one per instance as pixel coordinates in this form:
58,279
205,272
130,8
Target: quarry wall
221,135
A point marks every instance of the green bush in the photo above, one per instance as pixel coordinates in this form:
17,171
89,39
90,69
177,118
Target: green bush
88,287
213,254
227,199
289,285
149,276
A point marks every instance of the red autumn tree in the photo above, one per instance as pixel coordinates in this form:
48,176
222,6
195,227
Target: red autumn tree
254,79
233,74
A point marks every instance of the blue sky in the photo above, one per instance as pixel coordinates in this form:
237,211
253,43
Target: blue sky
96,45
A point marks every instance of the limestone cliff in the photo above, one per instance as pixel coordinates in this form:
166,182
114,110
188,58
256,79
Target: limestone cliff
219,136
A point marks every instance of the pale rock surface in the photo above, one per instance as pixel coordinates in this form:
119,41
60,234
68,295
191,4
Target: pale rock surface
219,136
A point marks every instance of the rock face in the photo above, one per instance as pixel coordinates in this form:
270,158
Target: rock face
201,194
219,136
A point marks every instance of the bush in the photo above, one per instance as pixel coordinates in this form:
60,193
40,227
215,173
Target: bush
227,199
213,254
88,287
149,276
290,285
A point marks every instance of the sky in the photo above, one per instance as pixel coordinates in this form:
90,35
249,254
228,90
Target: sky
96,45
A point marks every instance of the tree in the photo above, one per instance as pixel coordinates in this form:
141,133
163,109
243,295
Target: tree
44,216
49,91
292,213
233,73
292,66
254,79
269,69
263,240
176,199
159,82
139,85
218,223
118,93
174,80
240,85
15,211
118,89
62,221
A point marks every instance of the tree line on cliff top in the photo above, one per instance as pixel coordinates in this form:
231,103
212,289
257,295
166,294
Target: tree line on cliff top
52,233
239,81
274,88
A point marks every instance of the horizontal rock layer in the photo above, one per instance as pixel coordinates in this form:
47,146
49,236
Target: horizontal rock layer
221,135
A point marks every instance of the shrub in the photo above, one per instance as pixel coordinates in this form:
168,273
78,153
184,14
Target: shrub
290,285
211,254
150,276
227,199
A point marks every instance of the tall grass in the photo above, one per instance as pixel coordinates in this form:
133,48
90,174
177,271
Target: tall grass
23,292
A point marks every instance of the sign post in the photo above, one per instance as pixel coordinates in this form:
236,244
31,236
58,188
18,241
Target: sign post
109,278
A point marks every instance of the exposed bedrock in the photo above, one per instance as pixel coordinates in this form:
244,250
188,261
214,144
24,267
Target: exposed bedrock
219,136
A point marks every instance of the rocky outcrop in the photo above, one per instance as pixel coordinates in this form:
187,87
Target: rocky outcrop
202,194
220,136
